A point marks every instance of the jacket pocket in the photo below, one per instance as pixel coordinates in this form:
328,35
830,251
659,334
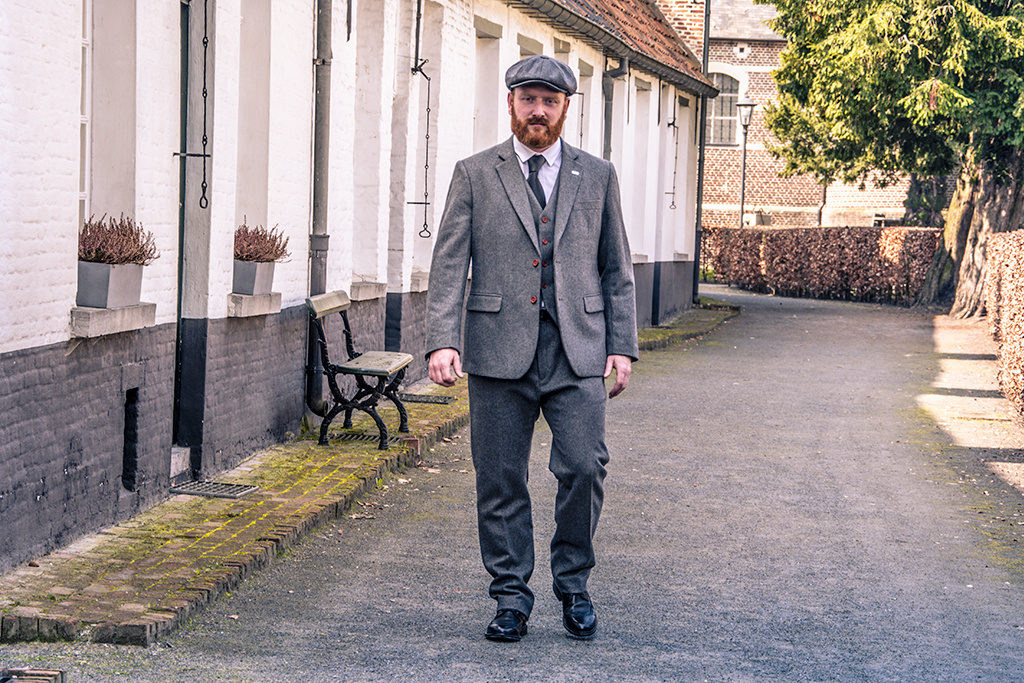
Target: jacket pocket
593,304
484,303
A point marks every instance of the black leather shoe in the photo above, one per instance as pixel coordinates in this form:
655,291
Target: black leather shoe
578,615
508,625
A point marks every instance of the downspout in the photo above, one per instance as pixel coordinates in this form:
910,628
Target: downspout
318,238
419,20
608,90
699,230
183,137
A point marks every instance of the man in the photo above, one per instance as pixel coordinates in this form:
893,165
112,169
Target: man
550,315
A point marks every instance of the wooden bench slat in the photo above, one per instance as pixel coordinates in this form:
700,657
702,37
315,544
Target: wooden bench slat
331,302
376,363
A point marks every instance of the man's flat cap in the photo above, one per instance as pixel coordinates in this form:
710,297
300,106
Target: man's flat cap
541,70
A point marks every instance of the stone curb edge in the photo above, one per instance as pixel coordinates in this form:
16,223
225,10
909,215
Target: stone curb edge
684,335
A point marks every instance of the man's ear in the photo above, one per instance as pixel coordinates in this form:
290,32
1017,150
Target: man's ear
510,97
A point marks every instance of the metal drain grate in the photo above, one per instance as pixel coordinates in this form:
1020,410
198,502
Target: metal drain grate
213,489
32,676
362,436
424,398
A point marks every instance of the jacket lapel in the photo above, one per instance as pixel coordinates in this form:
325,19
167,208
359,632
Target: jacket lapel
569,176
511,175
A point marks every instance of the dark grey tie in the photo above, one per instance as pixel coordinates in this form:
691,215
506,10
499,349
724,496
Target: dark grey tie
534,163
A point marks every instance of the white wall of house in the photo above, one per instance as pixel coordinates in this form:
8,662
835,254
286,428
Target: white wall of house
680,157
477,102
42,179
342,171
292,47
261,126
157,137
37,262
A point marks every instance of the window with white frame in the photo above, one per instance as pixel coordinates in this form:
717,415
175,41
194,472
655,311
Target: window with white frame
583,89
487,94
111,105
721,121
253,166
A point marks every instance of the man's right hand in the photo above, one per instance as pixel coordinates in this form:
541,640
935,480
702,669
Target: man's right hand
444,366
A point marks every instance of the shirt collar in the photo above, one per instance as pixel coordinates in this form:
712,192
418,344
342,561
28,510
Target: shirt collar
552,154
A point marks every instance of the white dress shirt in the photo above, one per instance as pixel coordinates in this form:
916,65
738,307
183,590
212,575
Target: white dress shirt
548,173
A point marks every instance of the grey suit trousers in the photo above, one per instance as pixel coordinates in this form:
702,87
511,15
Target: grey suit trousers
503,416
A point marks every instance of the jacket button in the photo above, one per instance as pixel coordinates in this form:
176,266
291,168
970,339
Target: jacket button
544,219
544,285
543,263
544,241
535,263
533,299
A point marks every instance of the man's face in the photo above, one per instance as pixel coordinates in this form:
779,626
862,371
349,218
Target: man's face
538,114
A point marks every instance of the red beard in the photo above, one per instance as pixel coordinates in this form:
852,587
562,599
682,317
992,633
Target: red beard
537,139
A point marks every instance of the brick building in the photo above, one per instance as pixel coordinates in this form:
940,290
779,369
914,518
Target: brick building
742,53
192,117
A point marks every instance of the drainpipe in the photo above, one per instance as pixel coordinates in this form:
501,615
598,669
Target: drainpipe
318,238
699,231
608,90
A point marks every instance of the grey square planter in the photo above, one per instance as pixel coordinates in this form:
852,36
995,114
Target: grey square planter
101,285
252,278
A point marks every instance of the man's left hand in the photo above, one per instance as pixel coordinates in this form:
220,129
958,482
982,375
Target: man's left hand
622,365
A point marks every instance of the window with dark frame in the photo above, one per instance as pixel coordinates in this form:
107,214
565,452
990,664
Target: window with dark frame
721,122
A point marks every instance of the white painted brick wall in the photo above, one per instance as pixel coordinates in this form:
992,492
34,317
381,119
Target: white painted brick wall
341,176
157,138
223,165
291,131
40,55
39,120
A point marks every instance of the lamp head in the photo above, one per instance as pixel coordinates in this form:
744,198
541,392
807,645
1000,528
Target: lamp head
745,110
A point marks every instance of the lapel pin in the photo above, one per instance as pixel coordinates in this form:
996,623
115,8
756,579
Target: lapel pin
575,172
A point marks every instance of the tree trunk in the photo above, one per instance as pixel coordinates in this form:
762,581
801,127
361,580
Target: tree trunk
942,275
998,206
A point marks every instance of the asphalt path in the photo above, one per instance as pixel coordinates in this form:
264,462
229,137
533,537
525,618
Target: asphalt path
778,508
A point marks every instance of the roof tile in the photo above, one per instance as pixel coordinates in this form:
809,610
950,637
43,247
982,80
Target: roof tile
641,26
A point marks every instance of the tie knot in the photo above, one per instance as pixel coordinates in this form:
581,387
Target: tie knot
535,162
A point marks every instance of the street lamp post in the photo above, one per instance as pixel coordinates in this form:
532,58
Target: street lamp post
744,110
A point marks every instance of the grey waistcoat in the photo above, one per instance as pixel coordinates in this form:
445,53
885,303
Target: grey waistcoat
544,221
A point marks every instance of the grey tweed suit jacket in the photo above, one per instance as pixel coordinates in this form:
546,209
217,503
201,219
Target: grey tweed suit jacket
488,226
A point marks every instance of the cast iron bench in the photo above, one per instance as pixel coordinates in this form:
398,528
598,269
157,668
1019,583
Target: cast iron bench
377,374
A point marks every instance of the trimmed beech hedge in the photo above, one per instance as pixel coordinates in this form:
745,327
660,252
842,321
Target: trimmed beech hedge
1004,305
860,264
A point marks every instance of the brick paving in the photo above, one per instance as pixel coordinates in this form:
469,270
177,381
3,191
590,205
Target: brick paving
139,580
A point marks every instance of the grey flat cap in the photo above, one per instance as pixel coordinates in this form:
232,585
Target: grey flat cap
541,70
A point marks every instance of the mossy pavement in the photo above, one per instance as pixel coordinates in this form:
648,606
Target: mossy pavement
137,581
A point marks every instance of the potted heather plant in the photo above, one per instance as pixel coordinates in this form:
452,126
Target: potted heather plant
256,251
111,255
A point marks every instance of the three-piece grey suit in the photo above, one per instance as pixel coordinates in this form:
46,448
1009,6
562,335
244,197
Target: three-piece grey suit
571,257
